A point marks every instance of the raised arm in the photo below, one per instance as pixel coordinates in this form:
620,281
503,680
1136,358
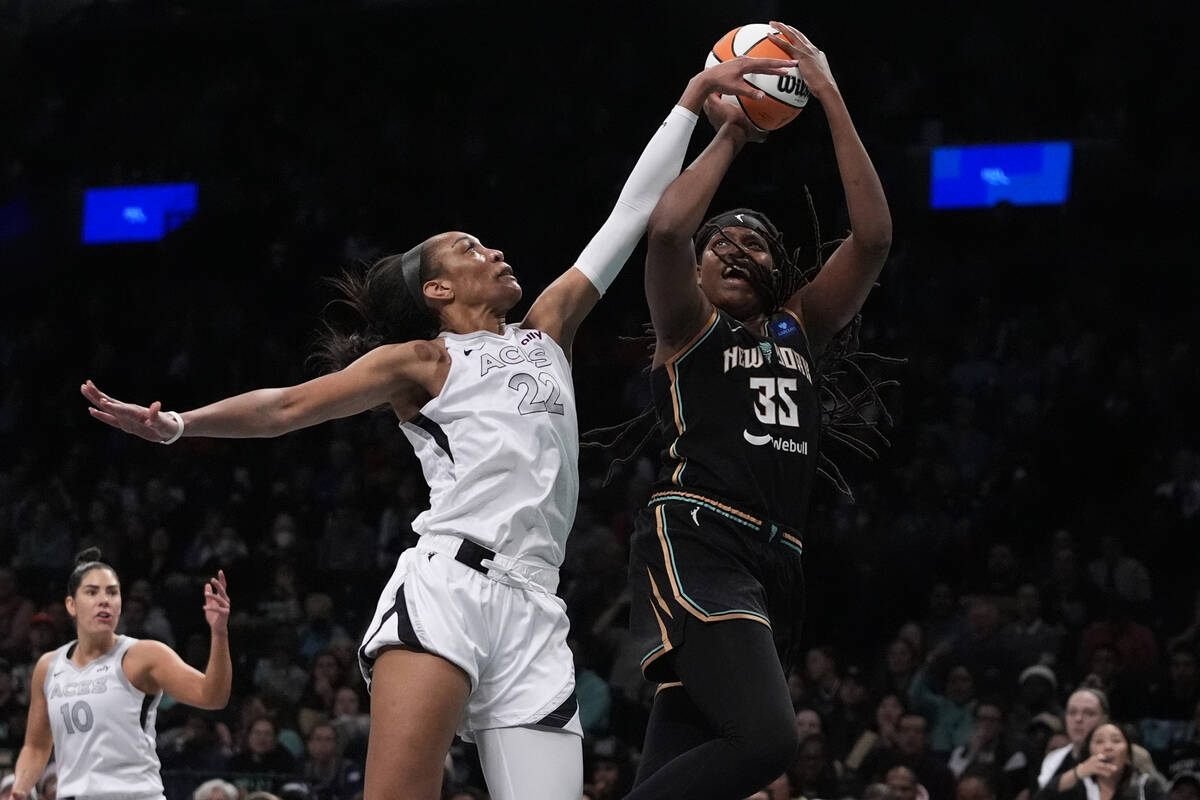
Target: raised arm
39,741
678,308
152,666
830,302
403,375
566,302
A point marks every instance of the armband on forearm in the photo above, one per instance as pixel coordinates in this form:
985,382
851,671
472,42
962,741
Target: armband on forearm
659,164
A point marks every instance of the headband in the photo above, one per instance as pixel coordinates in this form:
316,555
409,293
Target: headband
410,268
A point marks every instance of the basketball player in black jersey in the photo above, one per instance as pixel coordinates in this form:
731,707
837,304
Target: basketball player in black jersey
716,555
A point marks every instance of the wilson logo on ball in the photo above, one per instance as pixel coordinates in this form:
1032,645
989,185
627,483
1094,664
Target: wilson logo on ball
784,95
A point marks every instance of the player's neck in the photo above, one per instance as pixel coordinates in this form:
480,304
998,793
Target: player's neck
469,320
91,647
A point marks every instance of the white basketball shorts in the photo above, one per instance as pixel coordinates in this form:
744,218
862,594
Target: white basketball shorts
509,636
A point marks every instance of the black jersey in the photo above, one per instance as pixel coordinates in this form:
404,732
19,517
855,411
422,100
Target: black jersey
741,416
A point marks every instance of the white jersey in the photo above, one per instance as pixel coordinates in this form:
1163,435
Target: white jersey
499,445
103,727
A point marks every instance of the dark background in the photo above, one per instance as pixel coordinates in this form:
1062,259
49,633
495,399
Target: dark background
1050,382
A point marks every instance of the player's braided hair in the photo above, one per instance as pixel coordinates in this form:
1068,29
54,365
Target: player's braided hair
847,391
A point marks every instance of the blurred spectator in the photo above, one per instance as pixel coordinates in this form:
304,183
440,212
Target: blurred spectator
899,667
216,789
808,722
352,722
1185,786
261,753
1114,571
1037,688
197,745
912,751
318,631
608,768
814,773
329,775
12,712
1030,639
316,703
592,691
943,620
1066,592
952,712
1184,757
883,736
853,714
141,621
1133,642
1176,697
277,674
43,637
15,614
1086,709
902,784
821,680
975,787
988,755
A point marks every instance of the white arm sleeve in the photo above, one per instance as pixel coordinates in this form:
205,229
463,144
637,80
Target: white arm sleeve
659,164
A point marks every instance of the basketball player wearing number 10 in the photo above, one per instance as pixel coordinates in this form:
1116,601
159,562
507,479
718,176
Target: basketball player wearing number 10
93,701
468,635
715,561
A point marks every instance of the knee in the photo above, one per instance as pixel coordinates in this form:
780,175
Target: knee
769,750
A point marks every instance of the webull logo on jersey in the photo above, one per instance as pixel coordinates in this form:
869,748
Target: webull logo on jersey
752,357
511,355
79,688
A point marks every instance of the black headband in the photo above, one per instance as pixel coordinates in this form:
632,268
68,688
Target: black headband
410,268
740,219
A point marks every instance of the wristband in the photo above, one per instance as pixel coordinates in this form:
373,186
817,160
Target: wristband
179,420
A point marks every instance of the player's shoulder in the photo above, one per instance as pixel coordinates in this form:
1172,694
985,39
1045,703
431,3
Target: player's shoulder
416,351
44,661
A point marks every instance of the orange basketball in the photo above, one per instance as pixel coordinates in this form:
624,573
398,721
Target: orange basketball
785,95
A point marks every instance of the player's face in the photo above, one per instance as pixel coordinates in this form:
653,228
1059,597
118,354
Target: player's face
96,605
473,273
726,262
1110,744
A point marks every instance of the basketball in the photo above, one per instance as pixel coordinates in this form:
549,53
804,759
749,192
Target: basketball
785,95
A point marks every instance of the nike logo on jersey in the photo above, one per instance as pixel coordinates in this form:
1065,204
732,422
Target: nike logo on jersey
695,511
60,672
757,441
467,352
734,328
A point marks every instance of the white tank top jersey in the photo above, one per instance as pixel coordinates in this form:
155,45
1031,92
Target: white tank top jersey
499,445
103,727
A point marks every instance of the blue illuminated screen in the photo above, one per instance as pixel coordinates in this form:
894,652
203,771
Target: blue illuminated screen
1035,174
136,213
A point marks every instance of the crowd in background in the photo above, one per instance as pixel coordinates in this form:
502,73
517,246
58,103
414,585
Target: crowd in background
1029,529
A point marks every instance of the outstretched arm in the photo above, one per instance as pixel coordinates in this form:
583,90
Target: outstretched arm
565,303
678,308
830,302
152,666
399,374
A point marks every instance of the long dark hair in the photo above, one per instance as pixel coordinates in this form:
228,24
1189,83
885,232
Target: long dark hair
86,561
1129,770
385,309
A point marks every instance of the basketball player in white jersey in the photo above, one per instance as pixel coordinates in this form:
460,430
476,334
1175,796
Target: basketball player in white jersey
468,636
94,700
